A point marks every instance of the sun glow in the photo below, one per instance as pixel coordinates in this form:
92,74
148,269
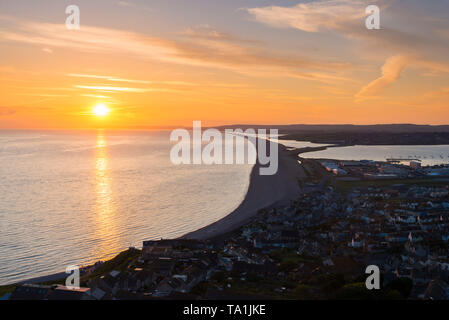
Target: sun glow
101,110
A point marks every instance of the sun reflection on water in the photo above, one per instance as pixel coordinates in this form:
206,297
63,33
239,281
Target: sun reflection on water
105,211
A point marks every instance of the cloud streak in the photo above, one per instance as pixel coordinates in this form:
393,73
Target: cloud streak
313,16
119,89
391,71
109,78
347,18
203,47
118,79
428,47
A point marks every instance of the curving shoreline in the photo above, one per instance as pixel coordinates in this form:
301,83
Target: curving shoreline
263,191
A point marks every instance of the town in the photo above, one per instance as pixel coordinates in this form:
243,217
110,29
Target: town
350,214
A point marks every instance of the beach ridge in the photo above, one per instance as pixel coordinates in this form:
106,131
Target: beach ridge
263,191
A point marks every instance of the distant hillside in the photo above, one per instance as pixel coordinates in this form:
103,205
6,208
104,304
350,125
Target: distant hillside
405,128
347,134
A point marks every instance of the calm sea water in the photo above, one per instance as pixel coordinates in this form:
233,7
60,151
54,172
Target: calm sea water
429,155
76,198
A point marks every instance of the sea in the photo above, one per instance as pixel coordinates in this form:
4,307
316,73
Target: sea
74,198
427,155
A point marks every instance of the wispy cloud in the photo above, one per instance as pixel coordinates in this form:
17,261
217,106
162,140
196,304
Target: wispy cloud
125,4
118,79
206,32
391,71
175,83
129,4
312,16
122,89
199,47
112,89
90,39
96,96
47,95
347,18
109,78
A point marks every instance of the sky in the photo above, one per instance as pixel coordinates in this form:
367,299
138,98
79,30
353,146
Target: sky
158,64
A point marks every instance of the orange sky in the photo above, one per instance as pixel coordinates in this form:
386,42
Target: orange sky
222,63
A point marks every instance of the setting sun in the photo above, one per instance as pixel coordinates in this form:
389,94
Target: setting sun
101,110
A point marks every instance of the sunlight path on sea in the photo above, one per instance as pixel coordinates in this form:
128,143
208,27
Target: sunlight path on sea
105,212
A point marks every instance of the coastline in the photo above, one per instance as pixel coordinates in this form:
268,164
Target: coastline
263,192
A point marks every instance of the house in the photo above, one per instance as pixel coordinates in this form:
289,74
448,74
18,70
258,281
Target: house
268,268
289,235
64,293
194,275
145,278
169,285
54,292
191,244
97,293
162,266
30,292
107,283
437,290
